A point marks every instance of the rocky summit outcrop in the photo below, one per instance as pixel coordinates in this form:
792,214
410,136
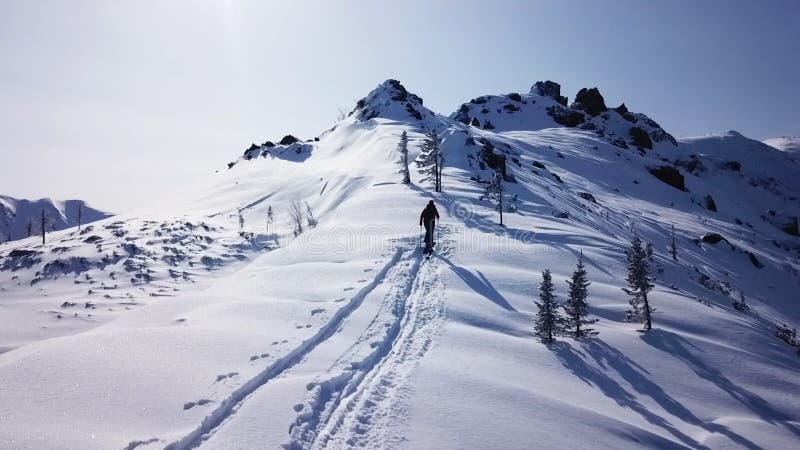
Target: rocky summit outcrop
391,100
549,89
544,107
590,100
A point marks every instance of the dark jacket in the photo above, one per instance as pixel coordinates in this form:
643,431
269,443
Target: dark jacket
428,214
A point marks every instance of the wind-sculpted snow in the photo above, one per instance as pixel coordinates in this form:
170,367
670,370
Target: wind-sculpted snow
199,323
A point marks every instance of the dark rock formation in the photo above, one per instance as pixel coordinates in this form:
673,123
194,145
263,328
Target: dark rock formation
753,260
670,175
288,140
590,101
710,204
566,116
640,138
792,227
623,111
463,114
712,238
549,89
732,165
413,112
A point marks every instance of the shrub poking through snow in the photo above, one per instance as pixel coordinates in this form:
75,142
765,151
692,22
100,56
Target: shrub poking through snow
296,217
741,304
310,219
788,335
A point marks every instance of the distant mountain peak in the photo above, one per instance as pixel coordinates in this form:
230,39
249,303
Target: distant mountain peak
391,100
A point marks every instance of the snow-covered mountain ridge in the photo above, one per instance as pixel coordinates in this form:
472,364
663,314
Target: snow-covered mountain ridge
789,144
16,215
344,337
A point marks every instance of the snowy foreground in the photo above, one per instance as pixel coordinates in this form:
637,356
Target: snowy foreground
167,327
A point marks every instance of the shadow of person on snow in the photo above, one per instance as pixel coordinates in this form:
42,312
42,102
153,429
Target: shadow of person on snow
606,359
481,285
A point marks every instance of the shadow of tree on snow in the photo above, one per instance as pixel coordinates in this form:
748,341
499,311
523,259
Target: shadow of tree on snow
678,347
594,361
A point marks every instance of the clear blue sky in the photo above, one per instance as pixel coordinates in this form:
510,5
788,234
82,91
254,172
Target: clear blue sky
117,102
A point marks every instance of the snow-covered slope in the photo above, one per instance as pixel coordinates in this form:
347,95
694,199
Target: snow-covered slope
344,337
16,214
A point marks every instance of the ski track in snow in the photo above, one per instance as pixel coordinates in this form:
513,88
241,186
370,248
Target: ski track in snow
357,400
227,407
358,394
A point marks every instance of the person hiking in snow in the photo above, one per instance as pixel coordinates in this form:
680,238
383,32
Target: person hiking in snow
429,217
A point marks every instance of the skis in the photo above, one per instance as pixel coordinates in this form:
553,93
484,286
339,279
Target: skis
428,254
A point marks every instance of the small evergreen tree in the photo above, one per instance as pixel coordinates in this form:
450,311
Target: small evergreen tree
431,160
241,221
576,307
548,320
638,284
495,192
402,147
673,248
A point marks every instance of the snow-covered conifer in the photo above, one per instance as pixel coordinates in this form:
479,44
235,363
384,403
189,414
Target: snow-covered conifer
576,307
495,192
638,284
402,147
548,320
431,160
